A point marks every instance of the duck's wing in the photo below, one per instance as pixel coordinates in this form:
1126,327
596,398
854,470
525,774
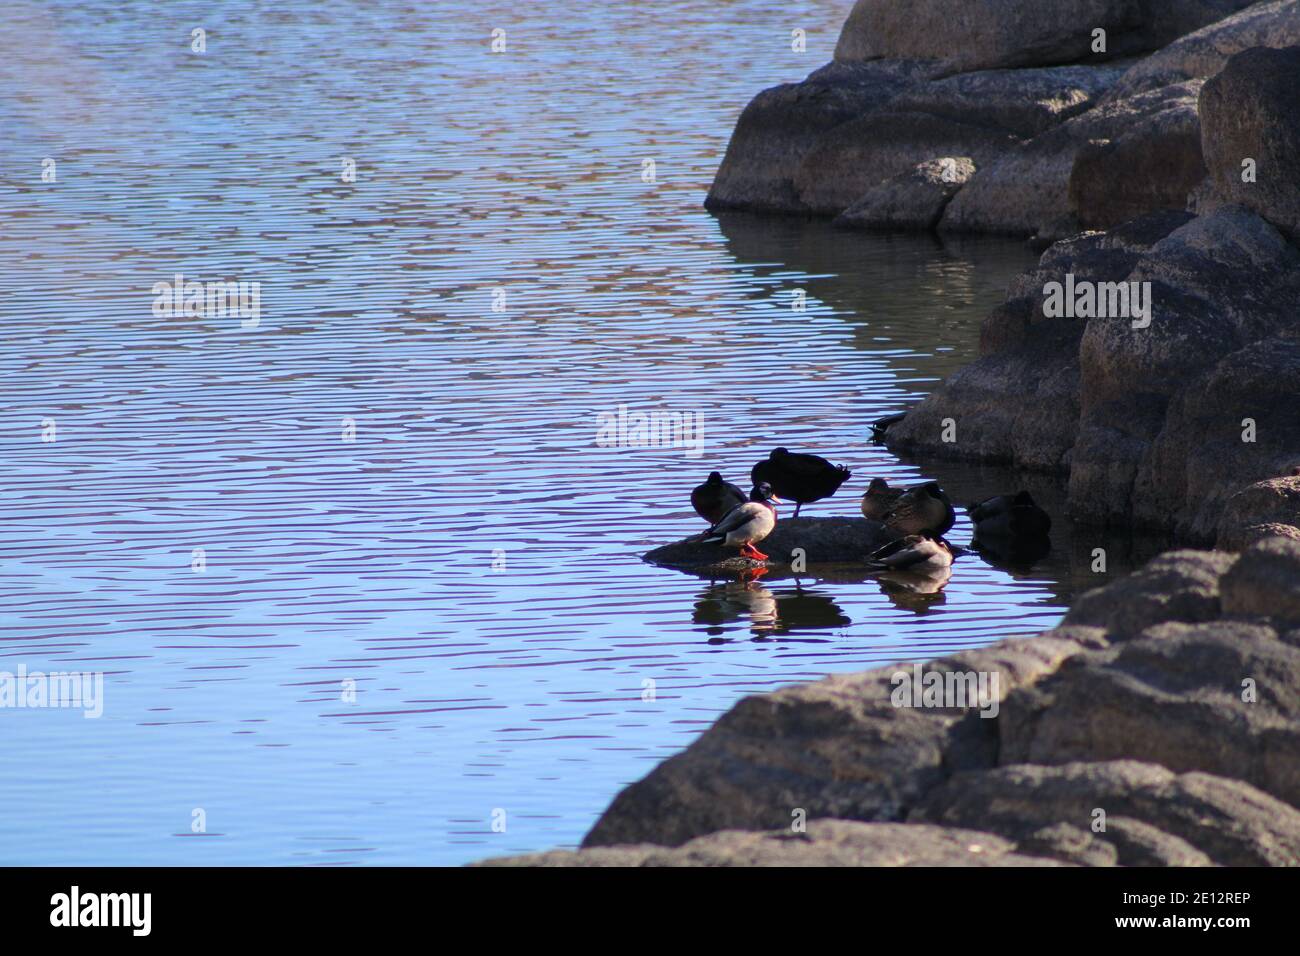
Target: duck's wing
893,547
808,466
909,557
734,518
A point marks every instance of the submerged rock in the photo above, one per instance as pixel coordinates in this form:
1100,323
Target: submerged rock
820,540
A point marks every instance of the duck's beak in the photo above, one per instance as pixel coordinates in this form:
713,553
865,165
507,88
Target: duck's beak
775,500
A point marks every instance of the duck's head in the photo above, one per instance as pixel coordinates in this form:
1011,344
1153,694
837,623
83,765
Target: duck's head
715,477
763,493
1023,499
878,486
780,453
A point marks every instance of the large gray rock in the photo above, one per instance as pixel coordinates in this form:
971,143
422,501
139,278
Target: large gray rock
911,201
1153,165
1028,189
820,144
1132,414
1219,696
1203,52
835,748
987,34
1021,102
1251,112
1264,509
1178,587
782,125
860,154
1152,817
826,843
1019,403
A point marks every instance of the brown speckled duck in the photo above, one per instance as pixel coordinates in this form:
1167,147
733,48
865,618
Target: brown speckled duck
879,499
924,509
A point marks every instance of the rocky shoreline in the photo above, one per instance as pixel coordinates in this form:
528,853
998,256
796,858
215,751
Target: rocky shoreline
1159,724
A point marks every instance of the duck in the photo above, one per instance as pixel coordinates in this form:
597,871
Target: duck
715,499
879,499
923,509
916,553
1009,516
747,524
801,478
882,425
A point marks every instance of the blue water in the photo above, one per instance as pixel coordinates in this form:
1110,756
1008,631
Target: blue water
470,561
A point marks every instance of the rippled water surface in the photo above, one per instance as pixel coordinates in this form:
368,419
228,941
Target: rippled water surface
201,530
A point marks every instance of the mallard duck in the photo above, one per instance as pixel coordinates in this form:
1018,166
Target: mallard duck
916,553
882,425
801,478
747,524
714,499
879,499
924,509
1010,516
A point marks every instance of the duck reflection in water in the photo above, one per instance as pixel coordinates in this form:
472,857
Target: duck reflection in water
770,612
913,570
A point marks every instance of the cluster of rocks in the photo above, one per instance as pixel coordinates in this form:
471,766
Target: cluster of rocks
1029,117
1183,420
1159,724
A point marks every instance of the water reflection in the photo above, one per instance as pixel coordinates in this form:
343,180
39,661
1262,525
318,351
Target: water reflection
394,633
766,611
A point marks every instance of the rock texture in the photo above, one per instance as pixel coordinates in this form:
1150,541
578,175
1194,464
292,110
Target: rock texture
1063,137
825,843
1135,415
914,200
1251,113
1203,52
983,34
781,126
1159,725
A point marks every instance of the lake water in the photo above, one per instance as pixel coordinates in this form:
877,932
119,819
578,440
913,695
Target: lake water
358,575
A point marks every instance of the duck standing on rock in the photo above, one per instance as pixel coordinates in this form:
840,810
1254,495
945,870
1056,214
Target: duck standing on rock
1010,516
747,524
715,499
924,509
801,478
879,499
